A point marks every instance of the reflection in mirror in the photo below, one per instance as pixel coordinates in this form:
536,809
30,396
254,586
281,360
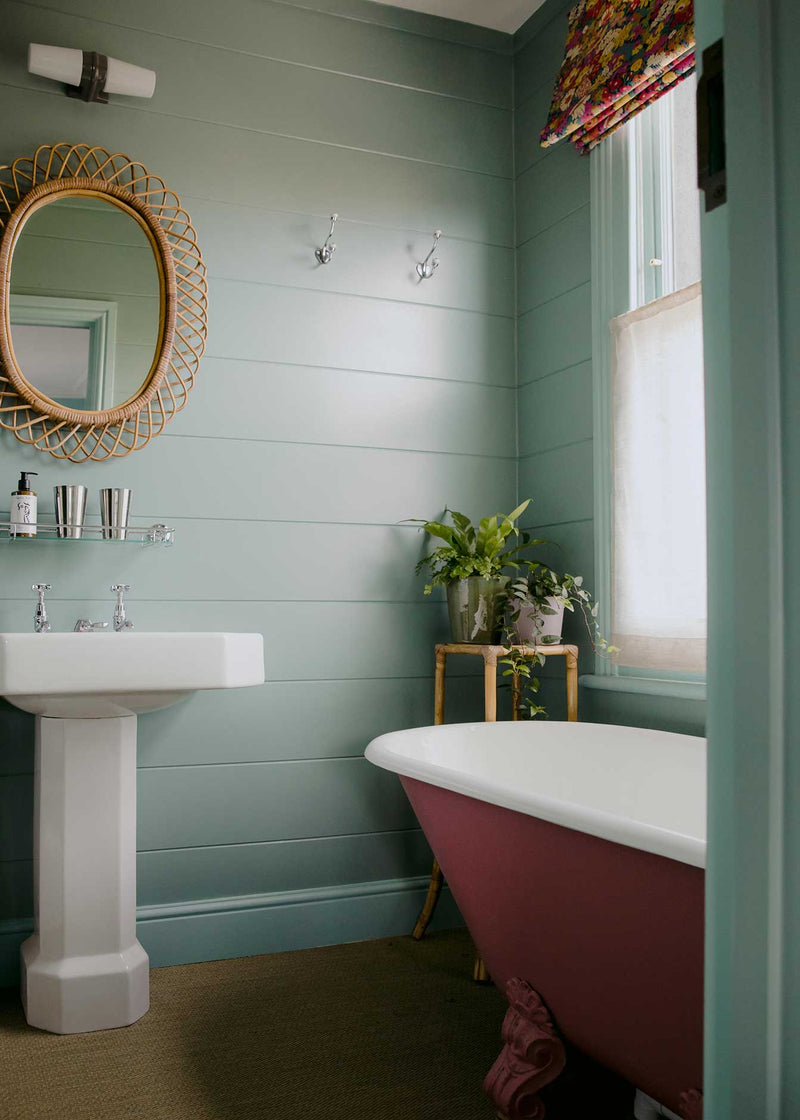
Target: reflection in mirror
85,303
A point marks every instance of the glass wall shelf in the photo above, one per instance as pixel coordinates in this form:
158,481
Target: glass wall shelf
50,531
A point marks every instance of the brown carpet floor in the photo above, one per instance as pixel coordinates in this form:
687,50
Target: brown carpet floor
380,1030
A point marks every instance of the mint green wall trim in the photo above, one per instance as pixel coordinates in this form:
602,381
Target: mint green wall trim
219,928
751,286
610,288
646,686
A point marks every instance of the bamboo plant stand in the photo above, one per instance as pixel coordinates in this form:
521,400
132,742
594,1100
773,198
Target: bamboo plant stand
491,655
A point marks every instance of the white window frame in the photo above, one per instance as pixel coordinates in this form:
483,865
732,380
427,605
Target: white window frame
99,317
625,239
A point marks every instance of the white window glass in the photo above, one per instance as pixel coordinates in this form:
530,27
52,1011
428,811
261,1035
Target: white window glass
659,555
55,359
685,195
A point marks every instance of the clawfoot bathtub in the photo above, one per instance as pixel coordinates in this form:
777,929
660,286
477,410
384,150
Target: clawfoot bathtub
575,852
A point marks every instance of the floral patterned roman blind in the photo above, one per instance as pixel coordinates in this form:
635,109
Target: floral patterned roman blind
620,56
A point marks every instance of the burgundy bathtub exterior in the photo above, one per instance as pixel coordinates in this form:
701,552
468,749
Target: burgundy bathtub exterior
611,937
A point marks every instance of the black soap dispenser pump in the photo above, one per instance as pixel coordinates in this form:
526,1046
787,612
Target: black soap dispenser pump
23,507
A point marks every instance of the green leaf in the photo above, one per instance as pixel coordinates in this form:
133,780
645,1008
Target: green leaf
515,513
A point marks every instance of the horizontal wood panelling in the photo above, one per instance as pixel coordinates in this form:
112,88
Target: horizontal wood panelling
556,410
333,403
362,562
235,927
260,322
554,262
418,23
560,482
572,547
556,335
278,248
349,640
550,190
260,95
282,721
267,801
247,480
317,39
350,407
87,267
237,166
200,806
541,55
181,874
529,120
326,917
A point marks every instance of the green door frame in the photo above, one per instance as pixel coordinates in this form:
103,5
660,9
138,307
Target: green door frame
751,286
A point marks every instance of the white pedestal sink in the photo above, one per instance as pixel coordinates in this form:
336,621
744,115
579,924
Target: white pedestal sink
83,968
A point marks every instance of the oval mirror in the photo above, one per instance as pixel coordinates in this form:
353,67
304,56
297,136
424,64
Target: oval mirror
85,303
103,302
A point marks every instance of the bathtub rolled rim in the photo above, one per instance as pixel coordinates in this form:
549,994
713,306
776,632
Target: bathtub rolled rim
628,831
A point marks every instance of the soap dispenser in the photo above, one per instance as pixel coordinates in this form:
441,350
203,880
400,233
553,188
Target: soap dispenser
23,507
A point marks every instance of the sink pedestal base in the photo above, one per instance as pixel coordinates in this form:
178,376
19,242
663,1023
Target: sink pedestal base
83,969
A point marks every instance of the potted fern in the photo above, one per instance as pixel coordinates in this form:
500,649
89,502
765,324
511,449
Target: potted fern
488,606
470,565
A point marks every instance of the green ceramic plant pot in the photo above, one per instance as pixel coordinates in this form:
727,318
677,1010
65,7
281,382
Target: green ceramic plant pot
476,608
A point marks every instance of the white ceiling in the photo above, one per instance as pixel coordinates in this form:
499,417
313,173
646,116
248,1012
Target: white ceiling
502,15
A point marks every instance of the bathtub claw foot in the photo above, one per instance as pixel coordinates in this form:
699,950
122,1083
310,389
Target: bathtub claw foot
692,1105
532,1057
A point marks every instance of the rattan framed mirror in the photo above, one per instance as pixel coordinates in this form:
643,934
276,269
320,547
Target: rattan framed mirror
141,348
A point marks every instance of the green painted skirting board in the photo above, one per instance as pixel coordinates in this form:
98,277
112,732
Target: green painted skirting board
219,928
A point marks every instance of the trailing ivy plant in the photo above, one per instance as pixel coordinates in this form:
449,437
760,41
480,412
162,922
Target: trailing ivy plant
530,594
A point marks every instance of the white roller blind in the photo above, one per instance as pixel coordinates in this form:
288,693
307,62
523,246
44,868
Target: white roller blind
659,538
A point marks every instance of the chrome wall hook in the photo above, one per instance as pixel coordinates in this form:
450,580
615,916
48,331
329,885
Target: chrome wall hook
426,268
327,249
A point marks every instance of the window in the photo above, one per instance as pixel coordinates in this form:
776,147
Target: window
650,453
65,346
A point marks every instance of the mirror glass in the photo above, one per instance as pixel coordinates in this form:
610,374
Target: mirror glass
85,303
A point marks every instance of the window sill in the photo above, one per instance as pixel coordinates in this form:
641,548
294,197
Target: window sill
646,686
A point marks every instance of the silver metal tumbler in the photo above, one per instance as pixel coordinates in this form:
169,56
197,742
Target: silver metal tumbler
70,502
115,511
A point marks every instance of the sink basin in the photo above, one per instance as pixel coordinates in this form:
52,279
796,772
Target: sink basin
97,675
83,968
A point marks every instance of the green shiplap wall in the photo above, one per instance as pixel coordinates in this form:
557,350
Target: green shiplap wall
332,404
554,308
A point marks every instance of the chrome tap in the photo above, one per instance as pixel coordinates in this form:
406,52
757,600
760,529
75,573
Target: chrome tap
41,622
120,621
86,626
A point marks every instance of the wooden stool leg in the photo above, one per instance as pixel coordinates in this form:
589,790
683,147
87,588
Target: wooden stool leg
572,685
490,687
479,973
432,897
438,691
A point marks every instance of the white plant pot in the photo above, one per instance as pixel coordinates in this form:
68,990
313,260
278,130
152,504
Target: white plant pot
532,626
